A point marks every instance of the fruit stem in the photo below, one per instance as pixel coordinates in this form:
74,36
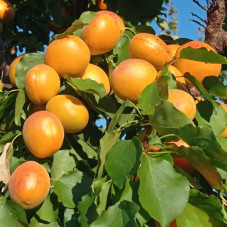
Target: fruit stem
168,135
127,28
136,108
130,122
127,36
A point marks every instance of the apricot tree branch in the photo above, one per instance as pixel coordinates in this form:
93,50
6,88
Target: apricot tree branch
197,22
202,7
195,15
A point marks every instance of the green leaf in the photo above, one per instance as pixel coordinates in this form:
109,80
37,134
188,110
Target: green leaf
143,29
20,101
163,193
86,85
215,87
87,16
167,119
123,52
119,215
70,218
202,55
7,138
71,187
35,223
107,141
24,65
148,99
47,212
62,164
11,214
121,159
193,216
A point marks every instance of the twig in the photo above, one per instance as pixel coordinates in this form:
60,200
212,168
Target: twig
202,7
197,22
195,15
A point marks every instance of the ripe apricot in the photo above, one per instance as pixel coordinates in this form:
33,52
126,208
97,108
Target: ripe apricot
43,134
71,112
173,70
116,17
150,48
41,83
12,70
101,5
7,12
183,101
131,77
224,106
196,68
68,55
173,48
29,184
95,73
101,34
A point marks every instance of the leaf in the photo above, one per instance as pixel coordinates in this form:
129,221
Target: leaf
202,54
123,52
119,215
215,87
47,212
86,85
11,214
143,29
20,101
167,119
193,216
70,218
62,164
121,159
148,99
24,65
106,142
71,187
163,193
7,138
4,167
35,223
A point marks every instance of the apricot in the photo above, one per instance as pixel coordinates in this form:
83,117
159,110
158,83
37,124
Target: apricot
41,83
150,48
131,77
101,34
12,70
7,12
97,74
173,48
224,106
102,5
173,70
43,134
68,55
29,184
183,101
116,17
196,68
70,111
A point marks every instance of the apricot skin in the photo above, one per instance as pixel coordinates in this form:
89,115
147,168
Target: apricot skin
97,74
68,55
41,83
173,48
70,111
101,34
150,48
29,184
198,69
7,12
183,101
173,70
43,134
116,17
12,70
131,77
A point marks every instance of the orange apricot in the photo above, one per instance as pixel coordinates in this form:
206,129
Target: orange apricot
72,113
196,68
131,77
43,134
102,5
183,101
173,70
116,17
150,48
12,70
224,106
29,184
68,55
41,83
101,34
97,74
7,12
173,48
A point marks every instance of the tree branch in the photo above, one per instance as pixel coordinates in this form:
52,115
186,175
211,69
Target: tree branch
197,22
195,15
202,7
